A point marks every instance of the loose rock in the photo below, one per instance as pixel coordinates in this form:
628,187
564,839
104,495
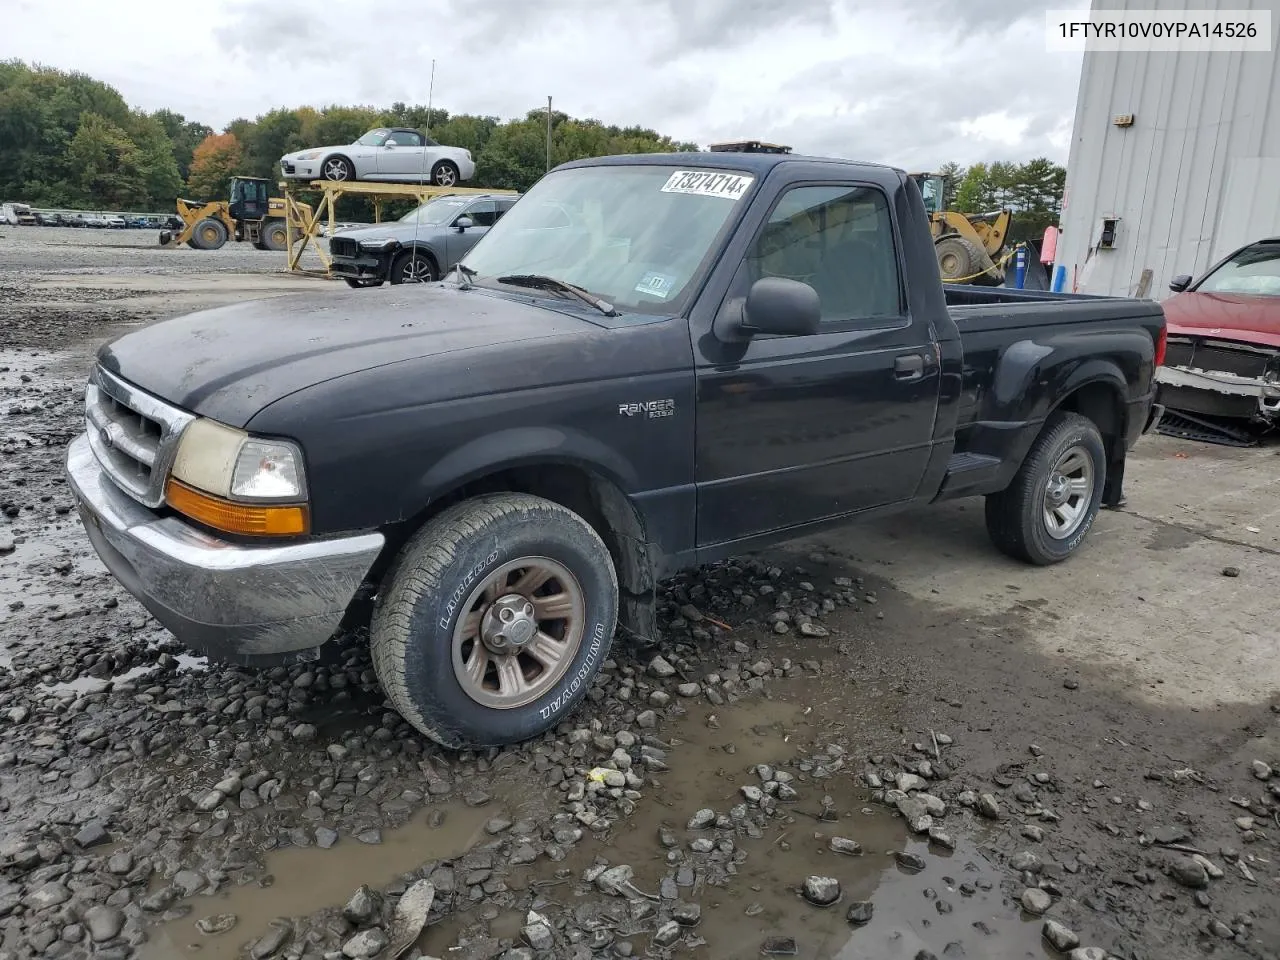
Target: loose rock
1036,901
822,891
860,912
1062,938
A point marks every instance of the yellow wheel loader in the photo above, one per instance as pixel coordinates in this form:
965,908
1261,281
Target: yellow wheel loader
971,247
251,214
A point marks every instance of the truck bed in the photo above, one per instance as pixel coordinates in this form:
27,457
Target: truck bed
978,309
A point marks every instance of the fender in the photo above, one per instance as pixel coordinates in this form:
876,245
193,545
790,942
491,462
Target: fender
521,446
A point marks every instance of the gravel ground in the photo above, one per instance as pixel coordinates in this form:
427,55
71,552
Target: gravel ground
885,742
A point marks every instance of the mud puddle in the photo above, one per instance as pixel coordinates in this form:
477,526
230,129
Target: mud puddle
302,880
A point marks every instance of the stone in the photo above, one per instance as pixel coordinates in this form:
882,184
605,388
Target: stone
860,912
92,834
1087,953
686,914
216,924
103,923
1035,901
822,891
1189,873
1231,571
659,667
752,794
326,837
667,934
689,689
850,848
909,861
906,782
210,801
989,806
1025,862
1061,937
646,720
362,906
120,863
47,895
702,819
942,839
777,946
1262,770
365,944
269,944
537,932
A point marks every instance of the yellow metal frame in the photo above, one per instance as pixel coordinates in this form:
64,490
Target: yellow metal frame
302,222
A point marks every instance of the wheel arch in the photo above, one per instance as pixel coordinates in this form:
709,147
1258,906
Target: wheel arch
1097,392
585,477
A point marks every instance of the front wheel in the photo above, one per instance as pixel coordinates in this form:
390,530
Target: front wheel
494,620
338,169
414,266
361,284
1046,512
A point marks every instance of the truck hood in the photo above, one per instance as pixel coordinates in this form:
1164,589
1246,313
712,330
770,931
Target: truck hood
230,362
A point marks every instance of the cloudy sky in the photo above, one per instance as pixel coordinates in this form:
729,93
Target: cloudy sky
908,82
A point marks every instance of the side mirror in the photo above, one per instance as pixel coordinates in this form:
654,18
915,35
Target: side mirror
1180,282
462,223
389,145
778,305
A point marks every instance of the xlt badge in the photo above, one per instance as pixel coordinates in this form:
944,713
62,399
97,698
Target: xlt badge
650,408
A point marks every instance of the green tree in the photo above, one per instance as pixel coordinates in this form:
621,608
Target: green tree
184,135
156,163
109,164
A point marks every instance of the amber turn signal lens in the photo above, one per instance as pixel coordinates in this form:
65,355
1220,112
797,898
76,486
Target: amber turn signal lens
279,521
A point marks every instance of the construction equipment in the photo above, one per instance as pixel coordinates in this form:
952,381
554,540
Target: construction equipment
251,214
971,247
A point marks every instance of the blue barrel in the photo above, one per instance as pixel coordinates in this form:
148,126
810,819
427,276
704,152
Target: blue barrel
1059,278
1020,273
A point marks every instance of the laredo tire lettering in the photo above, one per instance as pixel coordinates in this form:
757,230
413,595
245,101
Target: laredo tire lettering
455,598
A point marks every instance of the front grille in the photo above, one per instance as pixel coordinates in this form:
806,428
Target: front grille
343,247
1218,356
133,435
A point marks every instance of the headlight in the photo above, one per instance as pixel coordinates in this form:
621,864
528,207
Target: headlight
379,243
232,481
309,155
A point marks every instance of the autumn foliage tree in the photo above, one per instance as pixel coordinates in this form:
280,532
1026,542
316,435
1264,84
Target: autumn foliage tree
215,160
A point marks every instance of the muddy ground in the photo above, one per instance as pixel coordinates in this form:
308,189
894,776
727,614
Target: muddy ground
971,757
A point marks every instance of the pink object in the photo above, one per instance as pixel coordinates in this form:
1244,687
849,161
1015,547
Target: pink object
1049,246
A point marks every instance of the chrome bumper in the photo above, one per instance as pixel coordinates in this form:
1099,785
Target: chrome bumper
230,601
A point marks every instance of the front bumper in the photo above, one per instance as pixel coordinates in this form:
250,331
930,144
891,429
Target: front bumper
1220,394
366,267
227,600
300,169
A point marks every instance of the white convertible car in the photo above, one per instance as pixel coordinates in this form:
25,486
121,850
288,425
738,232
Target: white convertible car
397,154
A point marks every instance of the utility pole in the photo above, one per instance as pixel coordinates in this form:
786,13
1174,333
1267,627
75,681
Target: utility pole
430,93
548,133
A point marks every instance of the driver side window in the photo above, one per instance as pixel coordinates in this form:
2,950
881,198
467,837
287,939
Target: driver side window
837,239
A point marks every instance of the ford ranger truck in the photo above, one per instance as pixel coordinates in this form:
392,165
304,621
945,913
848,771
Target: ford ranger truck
649,363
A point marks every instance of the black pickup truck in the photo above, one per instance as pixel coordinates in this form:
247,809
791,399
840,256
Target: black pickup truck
650,362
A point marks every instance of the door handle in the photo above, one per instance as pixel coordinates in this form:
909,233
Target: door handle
910,367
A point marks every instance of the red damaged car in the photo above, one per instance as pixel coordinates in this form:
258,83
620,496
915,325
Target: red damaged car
1223,356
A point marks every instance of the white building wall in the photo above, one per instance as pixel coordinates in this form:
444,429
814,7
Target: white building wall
1198,173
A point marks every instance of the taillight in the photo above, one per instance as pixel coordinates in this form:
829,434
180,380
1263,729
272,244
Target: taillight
1162,341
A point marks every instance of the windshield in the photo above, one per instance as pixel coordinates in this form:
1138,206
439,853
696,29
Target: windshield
436,212
632,235
1254,271
373,138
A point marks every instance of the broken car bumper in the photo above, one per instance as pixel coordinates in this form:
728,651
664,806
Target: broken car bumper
231,601
1247,396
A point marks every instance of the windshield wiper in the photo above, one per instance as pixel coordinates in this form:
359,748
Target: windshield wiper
539,282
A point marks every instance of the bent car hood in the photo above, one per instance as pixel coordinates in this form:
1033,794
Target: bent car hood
230,362
1224,316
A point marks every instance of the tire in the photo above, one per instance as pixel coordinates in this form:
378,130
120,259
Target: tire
426,656
361,284
414,266
274,234
338,169
209,234
446,174
1018,517
958,259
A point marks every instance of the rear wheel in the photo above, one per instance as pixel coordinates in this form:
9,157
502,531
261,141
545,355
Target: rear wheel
209,234
274,235
414,266
959,259
494,620
1046,512
445,174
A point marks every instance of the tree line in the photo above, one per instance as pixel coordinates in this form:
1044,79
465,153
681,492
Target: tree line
68,140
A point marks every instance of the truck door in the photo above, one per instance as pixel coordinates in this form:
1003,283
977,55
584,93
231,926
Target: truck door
483,215
796,429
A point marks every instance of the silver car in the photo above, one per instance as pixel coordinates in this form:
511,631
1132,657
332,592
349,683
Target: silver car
421,246
394,154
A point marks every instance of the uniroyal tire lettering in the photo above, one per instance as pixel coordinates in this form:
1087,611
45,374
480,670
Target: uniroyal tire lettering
566,692
456,597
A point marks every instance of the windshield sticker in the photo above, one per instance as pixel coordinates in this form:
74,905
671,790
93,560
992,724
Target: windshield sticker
655,284
703,183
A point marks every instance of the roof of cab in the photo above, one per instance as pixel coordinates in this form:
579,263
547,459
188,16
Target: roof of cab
757,163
